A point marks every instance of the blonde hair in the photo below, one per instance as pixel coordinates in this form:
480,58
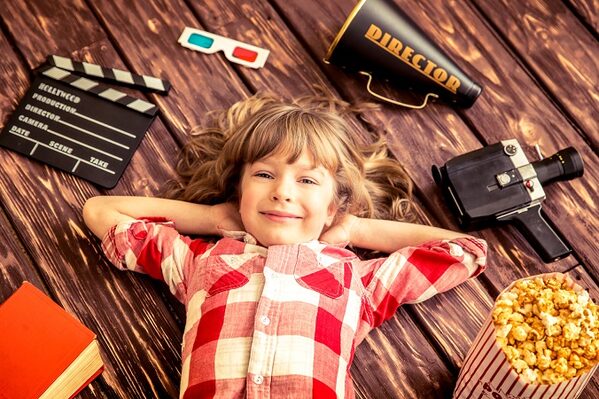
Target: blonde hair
368,182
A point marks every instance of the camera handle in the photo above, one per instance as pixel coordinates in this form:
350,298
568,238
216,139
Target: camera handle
535,228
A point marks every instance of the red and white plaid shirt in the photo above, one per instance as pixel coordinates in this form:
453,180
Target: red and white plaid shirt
282,321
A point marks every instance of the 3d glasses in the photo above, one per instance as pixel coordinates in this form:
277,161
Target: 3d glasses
235,51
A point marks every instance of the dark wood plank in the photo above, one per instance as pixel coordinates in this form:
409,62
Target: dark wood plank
200,84
567,64
269,78
138,334
391,364
526,113
588,11
460,322
15,264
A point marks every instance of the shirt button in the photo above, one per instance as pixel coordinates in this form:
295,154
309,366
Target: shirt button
265,320
258,379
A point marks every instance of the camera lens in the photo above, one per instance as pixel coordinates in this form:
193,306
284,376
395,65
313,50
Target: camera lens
565,164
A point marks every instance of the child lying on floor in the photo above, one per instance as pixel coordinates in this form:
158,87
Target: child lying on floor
277,306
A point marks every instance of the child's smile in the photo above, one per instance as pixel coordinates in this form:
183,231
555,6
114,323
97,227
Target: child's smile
283,203
277,216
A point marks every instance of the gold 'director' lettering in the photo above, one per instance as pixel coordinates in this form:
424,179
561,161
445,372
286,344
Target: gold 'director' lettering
429,67
385,39
374,32
411,57
395,46
416,59
407,53
440,75
453,83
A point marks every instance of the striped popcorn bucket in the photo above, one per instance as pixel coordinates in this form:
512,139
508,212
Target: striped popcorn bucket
487,372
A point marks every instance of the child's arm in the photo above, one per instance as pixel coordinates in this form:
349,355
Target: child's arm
385,235
389,236
101,213
423,261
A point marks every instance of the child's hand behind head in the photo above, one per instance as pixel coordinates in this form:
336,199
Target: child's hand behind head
340,232
226,217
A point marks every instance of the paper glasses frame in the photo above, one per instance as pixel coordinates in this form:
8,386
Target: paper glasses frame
224,44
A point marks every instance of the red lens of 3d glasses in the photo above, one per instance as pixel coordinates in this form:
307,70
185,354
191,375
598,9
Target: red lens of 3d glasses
245,54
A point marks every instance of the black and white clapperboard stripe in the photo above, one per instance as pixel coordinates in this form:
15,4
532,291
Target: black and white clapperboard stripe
142,82
78,125
100,90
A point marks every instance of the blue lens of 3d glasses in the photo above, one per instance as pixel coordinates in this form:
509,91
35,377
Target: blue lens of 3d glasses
200,40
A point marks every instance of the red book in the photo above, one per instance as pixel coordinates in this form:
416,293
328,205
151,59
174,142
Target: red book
44,351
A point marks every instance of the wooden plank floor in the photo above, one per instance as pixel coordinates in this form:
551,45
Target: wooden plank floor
537,60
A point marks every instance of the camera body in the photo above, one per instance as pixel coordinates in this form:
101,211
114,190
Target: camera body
498,184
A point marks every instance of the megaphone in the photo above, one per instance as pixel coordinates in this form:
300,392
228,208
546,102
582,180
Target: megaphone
379,40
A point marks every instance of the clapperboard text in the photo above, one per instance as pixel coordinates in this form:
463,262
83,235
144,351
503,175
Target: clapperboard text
49,115
78,125
63,141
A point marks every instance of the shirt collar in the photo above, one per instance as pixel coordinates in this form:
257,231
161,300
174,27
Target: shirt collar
337,250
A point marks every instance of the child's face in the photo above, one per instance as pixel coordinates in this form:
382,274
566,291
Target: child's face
285,203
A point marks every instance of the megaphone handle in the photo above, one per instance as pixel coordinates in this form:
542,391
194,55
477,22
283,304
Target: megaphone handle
381,97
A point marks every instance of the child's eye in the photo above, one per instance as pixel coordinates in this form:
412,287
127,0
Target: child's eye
265,175
307,180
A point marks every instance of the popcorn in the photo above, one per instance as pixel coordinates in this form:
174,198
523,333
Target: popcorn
519,333
548,331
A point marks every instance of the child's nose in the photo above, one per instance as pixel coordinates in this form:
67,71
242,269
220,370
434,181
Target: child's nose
282,191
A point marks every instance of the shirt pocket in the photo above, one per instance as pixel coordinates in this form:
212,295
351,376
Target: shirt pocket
327,281
223,273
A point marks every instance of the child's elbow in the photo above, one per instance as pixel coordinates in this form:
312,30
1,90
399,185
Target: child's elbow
89,209
92,213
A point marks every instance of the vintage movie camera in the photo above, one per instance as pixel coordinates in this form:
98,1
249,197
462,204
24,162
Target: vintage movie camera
497,184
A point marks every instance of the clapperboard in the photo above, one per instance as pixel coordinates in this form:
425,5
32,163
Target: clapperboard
79,125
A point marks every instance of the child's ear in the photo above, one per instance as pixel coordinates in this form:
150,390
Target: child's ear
331,213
